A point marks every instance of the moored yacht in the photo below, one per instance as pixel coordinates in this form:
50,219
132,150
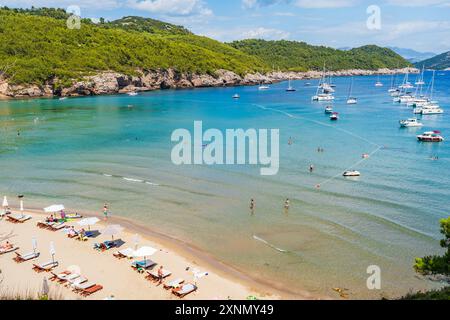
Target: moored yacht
413,122
351,173
334,116
430,136
323,97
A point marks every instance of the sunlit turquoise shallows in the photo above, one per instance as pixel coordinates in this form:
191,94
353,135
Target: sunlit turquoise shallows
85,151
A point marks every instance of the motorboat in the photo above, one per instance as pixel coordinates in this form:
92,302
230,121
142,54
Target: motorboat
412,122
378,84
263,87
328,109
351,173
236,96
132,94
352,100
430,136
323,97
334,116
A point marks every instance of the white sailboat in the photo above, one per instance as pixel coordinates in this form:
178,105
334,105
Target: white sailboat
350,98
290,88
378,83
420,80
324,91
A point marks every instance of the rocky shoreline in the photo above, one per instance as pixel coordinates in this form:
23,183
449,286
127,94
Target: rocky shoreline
110,82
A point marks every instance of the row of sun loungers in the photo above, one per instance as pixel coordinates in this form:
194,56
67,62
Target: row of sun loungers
77,283
53,226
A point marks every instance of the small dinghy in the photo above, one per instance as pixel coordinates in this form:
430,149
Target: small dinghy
351,173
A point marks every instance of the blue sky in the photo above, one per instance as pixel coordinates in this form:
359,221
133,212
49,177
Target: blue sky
423,25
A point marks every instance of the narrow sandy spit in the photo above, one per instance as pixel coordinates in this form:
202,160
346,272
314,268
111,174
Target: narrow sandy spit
116,276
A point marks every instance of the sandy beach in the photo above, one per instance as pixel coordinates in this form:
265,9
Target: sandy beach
116,276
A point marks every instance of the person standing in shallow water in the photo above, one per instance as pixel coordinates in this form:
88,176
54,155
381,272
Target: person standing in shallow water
105,211
286,206
252,206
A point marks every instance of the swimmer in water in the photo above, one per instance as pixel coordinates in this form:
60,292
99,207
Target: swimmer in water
286,206
252,206
290,141
311,168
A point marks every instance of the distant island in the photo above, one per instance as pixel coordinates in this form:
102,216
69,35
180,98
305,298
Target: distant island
439,62
41,56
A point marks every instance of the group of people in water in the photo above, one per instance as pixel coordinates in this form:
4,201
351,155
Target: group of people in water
286,206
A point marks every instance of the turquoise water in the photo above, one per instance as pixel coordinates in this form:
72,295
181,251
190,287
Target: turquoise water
85,151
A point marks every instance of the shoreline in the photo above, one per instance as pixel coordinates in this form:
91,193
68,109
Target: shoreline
263,288
110,82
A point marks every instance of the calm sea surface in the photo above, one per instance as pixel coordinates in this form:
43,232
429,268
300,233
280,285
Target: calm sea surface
83,152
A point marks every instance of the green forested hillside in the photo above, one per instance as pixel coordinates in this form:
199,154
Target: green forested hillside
439,62
36,46
300,56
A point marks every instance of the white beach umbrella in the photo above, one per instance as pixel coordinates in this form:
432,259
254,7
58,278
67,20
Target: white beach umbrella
21,206
52,250
88,222
54,208
45,287
112,230
5,202
144,252
136,241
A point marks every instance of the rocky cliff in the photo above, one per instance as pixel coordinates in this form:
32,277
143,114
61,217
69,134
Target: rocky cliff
113,82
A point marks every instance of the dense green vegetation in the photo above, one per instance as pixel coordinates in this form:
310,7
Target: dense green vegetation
36,47
439,62
435,264
300,56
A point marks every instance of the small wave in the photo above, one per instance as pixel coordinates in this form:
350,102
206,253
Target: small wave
107,175
132,180
151,183
269,244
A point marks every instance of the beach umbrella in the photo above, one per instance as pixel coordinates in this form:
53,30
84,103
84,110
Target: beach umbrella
54,208
21,207
144,252
88,222
5,202
52,251
112,230
136,241
45,287
34,244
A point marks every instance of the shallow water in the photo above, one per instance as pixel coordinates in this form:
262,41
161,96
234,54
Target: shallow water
86,151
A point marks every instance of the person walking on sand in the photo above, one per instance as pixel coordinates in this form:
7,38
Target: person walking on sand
252,206
160,274
105,211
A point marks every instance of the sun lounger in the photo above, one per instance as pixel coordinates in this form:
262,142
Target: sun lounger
152,275
47,266
173,284
142,265
44,224
184,290
73,216
91,290
125,253
57,226
75,282
18,218
83,286
3,251
105,245
25,257
63,277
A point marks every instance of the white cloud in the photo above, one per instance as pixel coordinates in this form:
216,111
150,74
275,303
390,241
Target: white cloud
321,4
171,7
418,3
227,35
